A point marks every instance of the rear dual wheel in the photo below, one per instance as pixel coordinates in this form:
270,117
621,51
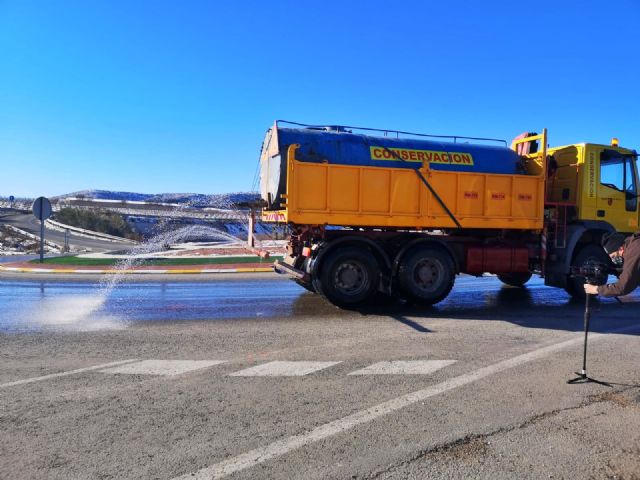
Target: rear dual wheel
349,277
426,275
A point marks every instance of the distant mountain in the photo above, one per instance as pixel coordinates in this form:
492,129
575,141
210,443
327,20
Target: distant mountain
222,200
107,195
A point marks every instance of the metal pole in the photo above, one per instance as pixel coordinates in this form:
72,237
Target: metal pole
252,219
41,241
582,374
587,316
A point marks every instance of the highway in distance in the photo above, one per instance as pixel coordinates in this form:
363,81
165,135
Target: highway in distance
31,224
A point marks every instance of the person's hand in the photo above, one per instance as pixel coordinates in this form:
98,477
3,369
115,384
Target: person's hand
592,289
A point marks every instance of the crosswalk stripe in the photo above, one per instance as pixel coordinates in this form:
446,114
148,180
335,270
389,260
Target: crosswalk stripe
63,374
283,369
404,367
162,367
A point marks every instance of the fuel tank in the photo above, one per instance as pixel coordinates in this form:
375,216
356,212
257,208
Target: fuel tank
337,145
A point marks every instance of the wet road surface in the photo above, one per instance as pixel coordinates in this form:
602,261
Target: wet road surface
32,304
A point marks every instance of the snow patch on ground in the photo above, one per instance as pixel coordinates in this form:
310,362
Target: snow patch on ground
12,242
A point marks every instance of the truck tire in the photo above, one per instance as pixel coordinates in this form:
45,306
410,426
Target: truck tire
515,279
426,275
349,276
575,285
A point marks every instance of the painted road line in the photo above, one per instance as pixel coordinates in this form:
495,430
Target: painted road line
404,367
138,270
283,369
167,368
35,270
64,374
294,442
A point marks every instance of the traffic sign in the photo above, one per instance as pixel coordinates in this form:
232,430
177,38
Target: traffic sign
12,198
41,208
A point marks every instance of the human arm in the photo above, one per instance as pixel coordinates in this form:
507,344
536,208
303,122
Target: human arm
628,281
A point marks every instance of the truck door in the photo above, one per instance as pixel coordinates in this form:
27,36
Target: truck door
617,201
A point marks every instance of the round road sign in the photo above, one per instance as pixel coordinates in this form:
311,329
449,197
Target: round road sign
41,208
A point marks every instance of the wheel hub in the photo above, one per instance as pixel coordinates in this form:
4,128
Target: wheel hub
350,277
427,274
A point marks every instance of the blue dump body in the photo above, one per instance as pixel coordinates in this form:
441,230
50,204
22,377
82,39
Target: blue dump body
335,145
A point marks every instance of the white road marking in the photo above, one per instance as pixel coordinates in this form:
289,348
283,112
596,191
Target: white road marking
162,367
64,374
286,445
283,369
404,367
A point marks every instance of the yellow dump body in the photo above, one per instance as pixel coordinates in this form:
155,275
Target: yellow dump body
361,196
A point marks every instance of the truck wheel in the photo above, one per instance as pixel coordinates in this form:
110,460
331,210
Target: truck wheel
349,276
515,279
426,275
575,285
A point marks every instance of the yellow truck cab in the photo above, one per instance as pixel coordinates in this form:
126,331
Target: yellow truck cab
591,189
601,180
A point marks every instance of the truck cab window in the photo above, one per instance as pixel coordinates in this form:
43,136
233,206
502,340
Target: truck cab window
617,171
612,171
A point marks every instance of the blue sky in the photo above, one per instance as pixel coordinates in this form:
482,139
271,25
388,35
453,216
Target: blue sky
165,96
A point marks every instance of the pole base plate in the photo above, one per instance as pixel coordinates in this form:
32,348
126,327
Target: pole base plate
582,377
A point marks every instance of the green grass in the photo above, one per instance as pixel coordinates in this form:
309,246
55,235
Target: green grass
159,262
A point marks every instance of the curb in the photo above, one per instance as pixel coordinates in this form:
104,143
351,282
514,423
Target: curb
137,271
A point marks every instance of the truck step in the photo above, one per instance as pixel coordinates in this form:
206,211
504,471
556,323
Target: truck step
286,269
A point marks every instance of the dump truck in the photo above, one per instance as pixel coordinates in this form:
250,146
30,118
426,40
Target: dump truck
390,213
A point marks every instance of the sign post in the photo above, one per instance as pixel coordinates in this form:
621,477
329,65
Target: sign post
41,210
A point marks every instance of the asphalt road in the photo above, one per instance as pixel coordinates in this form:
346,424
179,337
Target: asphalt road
30,224
253,377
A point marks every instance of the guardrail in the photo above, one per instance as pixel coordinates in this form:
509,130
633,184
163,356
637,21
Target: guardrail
87,233
129,207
